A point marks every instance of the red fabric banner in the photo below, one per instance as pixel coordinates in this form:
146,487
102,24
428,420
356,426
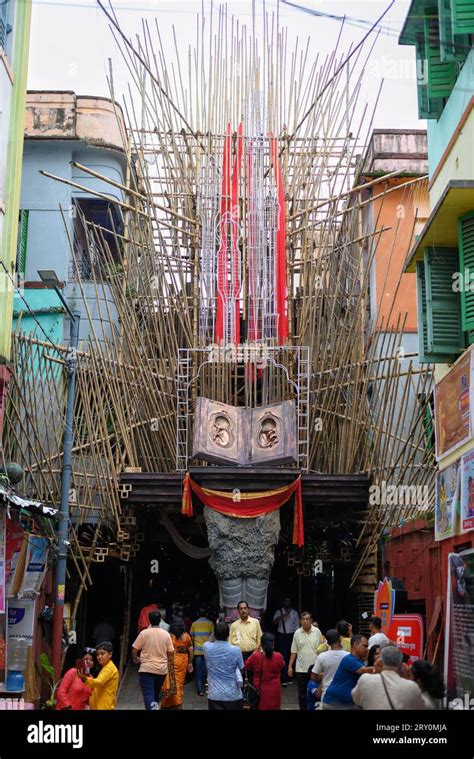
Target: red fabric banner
281,292
222,255
247,505
228,278
235,235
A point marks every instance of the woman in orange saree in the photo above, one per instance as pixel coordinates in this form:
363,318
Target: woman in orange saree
183,658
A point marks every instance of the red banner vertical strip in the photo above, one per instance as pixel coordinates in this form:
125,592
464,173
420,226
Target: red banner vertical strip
235,234
252,328
281,291
187,499
222,255
298,527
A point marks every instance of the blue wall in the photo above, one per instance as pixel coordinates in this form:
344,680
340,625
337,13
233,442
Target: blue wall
52,322
48,246
441,131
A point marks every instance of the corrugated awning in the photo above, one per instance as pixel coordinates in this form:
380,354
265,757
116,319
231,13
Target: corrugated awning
13,499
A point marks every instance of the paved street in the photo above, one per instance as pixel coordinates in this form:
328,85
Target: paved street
130,697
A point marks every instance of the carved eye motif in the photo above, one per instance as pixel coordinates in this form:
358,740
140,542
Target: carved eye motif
268,433
221,430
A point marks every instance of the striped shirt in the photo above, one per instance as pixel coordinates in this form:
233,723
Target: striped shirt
201,631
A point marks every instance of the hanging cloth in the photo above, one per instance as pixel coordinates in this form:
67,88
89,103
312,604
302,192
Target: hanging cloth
247,505
194,552
281,291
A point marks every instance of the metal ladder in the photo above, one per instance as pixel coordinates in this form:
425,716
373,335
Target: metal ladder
182,409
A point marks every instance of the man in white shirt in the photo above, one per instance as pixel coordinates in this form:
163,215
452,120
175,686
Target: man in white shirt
304,650
387,690
377,637
287,620
327,663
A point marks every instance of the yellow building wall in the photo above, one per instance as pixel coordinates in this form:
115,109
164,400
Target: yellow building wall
459,163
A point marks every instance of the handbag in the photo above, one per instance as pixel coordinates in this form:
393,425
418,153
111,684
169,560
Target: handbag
251,693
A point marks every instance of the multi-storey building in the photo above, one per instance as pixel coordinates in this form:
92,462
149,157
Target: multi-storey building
15,18
443,257
64,131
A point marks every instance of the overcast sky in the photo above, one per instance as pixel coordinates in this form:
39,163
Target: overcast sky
71,44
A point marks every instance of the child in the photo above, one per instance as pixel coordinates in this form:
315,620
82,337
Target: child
104,686
313,692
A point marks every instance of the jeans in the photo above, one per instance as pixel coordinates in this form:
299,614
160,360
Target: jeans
283,645
200,671
151,687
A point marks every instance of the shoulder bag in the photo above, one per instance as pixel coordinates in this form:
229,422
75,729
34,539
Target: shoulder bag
386,692
251,693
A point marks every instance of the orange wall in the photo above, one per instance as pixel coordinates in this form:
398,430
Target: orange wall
397,210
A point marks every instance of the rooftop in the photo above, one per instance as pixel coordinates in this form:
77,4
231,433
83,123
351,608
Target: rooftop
63,115
404,150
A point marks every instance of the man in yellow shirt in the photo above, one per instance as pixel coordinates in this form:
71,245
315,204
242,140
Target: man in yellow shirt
245,632
105,685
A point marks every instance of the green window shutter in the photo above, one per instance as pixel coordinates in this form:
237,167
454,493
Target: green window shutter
428,424
428,107
466,264
22,242
463,16
443,305
424,355
441,76
451,48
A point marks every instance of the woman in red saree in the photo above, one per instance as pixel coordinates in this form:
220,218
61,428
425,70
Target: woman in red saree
72,693
266,665
183,658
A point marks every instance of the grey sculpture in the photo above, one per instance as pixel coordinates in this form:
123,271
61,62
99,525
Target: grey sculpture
242,557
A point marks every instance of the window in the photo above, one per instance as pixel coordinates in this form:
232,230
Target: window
96,223
441,74
463,16
4,28
453,47
466,265
442,45
445,294
22,243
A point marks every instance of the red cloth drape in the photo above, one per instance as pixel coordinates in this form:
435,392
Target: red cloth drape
281,292
247,505
222,255
228,279
235,234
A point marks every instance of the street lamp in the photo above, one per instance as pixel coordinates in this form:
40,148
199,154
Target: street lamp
50,278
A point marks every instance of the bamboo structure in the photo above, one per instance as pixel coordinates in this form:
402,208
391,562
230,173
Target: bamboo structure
366,413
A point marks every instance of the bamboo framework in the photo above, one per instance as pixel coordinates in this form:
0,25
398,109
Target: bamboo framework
367,409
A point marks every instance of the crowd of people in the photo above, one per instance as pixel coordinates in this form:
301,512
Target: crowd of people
241,667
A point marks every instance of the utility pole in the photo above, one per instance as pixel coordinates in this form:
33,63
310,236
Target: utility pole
49,277
63,544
